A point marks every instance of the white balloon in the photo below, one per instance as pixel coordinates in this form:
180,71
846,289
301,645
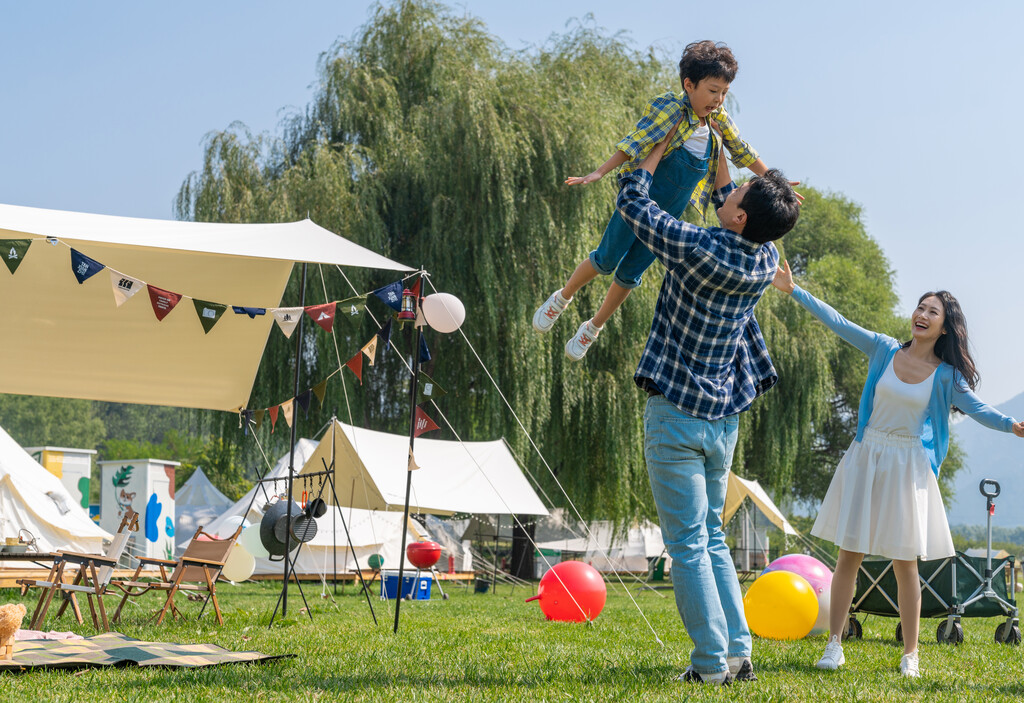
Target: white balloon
228,527
824,603
250,539
444,312
240,564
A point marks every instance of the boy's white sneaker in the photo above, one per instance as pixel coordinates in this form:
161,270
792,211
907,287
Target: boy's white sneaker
546,315
577,347
909,665
833,657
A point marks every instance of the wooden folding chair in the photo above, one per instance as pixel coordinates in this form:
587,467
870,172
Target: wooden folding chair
89,580
196,571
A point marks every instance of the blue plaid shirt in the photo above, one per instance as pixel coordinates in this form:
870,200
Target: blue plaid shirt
705,351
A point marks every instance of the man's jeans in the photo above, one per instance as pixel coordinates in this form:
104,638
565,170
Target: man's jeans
688,461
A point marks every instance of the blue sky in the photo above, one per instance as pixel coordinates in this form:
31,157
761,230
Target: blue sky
910,109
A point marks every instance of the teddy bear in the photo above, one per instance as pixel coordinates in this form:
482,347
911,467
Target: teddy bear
11,616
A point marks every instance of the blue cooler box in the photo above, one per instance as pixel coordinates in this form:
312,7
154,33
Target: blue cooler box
418,588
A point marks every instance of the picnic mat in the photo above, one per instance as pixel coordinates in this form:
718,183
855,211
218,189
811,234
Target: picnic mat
115,649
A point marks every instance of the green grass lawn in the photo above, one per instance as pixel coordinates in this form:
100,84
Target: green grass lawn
496,647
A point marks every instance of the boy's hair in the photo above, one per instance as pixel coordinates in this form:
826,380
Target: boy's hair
771,205
707,59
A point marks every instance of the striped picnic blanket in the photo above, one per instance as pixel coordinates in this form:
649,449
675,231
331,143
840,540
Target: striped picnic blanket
115,649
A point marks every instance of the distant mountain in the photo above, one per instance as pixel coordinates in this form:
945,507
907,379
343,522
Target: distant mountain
995,455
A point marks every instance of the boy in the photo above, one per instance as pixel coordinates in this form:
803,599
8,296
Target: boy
686,175
704,363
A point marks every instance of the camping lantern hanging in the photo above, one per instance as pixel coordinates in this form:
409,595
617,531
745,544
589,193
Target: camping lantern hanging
408,311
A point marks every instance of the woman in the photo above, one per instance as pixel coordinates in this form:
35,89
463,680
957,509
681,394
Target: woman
884,497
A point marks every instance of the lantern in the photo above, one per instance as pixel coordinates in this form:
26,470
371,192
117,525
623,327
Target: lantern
408,311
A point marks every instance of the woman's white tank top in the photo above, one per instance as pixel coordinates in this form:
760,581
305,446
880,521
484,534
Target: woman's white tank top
900,407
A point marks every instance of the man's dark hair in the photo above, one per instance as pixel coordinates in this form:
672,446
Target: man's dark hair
707,59
772,207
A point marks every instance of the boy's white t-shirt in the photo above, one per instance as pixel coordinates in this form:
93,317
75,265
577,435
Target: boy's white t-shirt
697,144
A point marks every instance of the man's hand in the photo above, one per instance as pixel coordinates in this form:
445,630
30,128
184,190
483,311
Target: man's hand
584,180
784,281
651,162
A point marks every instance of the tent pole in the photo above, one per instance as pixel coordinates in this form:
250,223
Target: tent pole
337,508
291,457
413,389
494,570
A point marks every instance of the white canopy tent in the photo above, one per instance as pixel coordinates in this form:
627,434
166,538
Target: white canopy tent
606,549
371,532
197,503
73,341
454,477
33,499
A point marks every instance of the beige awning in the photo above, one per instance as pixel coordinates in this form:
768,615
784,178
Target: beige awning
740,489
70,340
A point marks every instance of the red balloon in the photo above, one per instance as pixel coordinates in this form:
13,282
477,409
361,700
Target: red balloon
423,555
571,591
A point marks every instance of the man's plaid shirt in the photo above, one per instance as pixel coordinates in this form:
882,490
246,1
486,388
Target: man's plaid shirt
657,119
705,351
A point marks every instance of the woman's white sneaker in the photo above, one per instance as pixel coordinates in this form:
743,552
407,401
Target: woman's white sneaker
833,657
910,665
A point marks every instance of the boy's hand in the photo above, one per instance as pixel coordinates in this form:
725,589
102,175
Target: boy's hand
784,278
584,180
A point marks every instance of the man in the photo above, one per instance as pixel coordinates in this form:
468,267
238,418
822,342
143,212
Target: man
704,363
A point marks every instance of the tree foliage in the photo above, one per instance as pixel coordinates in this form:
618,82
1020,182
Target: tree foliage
430,142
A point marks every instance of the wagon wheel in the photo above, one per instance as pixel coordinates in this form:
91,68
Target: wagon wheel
956,635
899,632
1001,637
853,629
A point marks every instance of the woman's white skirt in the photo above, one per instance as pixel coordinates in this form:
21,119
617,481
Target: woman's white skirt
884,500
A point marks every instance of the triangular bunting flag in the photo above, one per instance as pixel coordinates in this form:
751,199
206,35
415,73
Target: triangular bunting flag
287,319
124,286
355,364
424,351
391,294
370,349
385,333
163,301
251,312
323,315
415,290
13,251
428,390
303,400
320,390
209,313
273,417
412,461
83,267
246,417
423,423
258,419
352,307
288,410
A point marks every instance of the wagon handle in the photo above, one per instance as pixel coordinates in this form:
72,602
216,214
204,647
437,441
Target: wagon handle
989,482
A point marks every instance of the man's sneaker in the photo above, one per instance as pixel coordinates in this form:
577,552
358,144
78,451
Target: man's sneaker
691,676
833,657
577,347
546,315
909,665
740,669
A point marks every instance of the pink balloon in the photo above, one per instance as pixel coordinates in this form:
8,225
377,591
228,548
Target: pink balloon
816,573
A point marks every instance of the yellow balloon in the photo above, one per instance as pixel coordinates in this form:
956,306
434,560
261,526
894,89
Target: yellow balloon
781,605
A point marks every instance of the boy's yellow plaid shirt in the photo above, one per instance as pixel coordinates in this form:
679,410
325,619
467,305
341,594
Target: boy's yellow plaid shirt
657,119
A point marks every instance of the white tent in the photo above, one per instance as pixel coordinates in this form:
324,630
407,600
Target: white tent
599,543
371,532
197,503
73,341
740,489
33,499
454,477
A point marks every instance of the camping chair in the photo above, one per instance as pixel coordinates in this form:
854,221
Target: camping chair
196,570
88,580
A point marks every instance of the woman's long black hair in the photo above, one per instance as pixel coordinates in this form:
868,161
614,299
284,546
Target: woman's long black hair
952,347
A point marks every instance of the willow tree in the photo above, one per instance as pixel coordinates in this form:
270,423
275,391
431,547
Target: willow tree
430,142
